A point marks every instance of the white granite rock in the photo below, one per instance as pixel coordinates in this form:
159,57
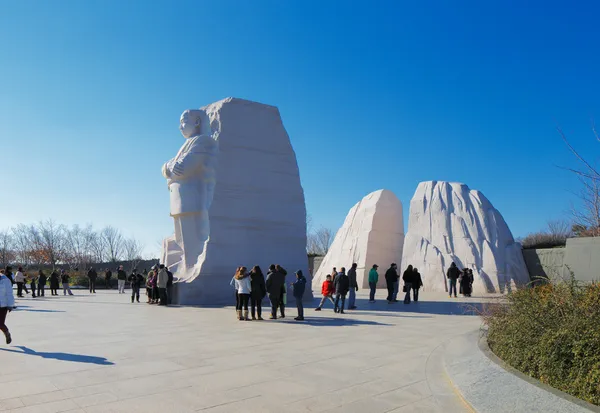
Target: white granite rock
250,186
449,222
373,233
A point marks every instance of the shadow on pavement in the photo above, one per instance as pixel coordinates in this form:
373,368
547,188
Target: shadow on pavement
36,310
469,308
341,321
76,358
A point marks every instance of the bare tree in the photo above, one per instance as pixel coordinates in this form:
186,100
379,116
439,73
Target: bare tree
133,251
78,246
51,239
587,216
6,253
113,243
319,241
97,247
555,235
21,244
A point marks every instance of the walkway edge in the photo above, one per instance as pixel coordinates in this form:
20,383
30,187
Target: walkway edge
487,351
490,387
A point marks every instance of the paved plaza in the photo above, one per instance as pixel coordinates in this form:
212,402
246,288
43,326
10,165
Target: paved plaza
101,353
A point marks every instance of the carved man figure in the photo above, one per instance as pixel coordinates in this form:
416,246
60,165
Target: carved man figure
191,180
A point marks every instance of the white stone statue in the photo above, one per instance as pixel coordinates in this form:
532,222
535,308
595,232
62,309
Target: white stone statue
191,180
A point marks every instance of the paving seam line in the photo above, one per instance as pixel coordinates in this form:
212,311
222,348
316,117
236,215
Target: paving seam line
485,349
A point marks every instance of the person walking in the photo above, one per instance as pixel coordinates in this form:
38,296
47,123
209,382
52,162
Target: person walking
33,285
54,282
373,280
417,283
342,285
298,288
391,277
274,284
283,298
353,287
7,303
92,277
121,278
327,290
41,283
243,287
20,280
259,291
161,282
64,278
107,279
407,277
136,281
453,274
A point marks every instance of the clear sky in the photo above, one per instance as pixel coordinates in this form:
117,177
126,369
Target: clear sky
373,95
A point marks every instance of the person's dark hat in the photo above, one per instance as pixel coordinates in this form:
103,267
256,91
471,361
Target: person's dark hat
393,264
375,266
299,272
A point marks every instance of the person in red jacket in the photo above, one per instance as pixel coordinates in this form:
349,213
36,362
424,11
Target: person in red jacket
327,291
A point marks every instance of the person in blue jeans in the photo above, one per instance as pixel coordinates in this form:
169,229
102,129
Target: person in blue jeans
353,287
453,274
373,279
299,286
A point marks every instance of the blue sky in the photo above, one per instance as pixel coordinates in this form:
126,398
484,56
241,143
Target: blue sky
373,95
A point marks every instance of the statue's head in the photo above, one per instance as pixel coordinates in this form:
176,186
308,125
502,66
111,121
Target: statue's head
189,123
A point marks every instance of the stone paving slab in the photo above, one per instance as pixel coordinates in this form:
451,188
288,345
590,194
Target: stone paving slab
490,388
101,353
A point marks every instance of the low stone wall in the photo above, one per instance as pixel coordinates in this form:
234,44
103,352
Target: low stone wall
581,257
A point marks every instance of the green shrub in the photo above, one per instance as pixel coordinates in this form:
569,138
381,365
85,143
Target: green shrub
552,332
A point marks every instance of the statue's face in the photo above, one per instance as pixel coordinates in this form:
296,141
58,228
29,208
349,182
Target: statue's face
189,125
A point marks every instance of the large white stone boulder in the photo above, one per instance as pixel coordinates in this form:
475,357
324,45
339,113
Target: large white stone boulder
373,233
449,222
257,214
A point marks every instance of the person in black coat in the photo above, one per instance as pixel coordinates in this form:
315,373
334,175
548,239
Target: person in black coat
342,286
274,284
283,297
107,277
92,276
407,277
259,291
465,283
136,281
391,277
54,282
41,283
9,274
417,283
453,274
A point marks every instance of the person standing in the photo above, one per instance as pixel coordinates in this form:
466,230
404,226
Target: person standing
33,285
274,284
54,282
298,288
417,283
334,274
453,274
342,285
64,278
243,287
327,290
391,277
353,287
107,277
20,280
161,281
9,274
169,287
259,291
407,277
283,298
465,283
7,303
121,278
149,286
373,280
92,277
41,284
136,281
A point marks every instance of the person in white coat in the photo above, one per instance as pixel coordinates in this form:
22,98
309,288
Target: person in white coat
161,281
243,287
7,303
